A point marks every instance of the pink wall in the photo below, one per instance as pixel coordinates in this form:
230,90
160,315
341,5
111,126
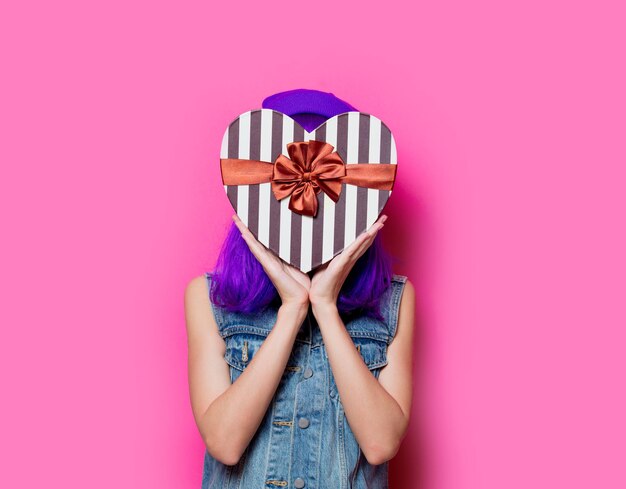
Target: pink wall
508,217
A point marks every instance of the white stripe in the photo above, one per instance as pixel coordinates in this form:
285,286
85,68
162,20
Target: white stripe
306,236
394,157
242,203
265,189
328,243
331,132
284,248
244,136
374,157
224,153
305,260
352,156
329,229
224,149
287,133
244,153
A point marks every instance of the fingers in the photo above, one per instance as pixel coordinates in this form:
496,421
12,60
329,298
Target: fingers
256,247
245,232
368,237
365,239
295,270
354,251
282,275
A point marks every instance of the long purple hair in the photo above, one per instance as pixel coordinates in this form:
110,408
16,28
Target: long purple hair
237,268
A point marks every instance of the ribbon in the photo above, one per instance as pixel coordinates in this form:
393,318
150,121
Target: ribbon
312,167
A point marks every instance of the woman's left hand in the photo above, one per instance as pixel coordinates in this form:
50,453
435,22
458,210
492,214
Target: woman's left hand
328,279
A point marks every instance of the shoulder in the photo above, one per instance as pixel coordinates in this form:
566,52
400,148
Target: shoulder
403,282
197,300
401,304
408,296
401,279
396,277
401,286
407,293
197,288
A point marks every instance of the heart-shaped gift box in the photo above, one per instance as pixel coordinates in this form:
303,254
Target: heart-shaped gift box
307,195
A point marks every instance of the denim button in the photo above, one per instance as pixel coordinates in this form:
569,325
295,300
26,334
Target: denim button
298,483
308,372
303,422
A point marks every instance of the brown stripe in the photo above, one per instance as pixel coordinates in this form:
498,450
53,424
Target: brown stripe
318,233
255,154
298,132
361,192
340,205
277,143
296,219
385,156
318,222
233,152
320,134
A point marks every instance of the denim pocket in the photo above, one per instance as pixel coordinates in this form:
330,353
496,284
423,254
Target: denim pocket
374,355
240,350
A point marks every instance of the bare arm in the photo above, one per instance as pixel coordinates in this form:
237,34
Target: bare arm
377,410
228,415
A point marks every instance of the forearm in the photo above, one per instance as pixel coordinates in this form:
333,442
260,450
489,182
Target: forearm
232,419
375,417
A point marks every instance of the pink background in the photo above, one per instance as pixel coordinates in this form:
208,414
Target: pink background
508,216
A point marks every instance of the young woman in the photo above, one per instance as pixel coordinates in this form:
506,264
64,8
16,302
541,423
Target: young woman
300,380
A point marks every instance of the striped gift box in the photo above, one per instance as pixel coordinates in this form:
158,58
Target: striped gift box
305,241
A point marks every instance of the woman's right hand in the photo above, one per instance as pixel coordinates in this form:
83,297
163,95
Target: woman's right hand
291,283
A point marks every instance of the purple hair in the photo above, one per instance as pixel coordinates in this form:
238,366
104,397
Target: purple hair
237,267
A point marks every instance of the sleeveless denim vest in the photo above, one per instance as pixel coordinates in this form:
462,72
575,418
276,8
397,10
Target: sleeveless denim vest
304,440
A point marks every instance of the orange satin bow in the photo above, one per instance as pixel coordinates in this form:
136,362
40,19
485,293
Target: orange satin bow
312,167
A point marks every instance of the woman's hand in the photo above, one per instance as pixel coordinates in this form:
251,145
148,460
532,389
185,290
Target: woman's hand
329,278
291,283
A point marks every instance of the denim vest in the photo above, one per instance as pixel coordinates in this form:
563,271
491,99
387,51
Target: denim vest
304,440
